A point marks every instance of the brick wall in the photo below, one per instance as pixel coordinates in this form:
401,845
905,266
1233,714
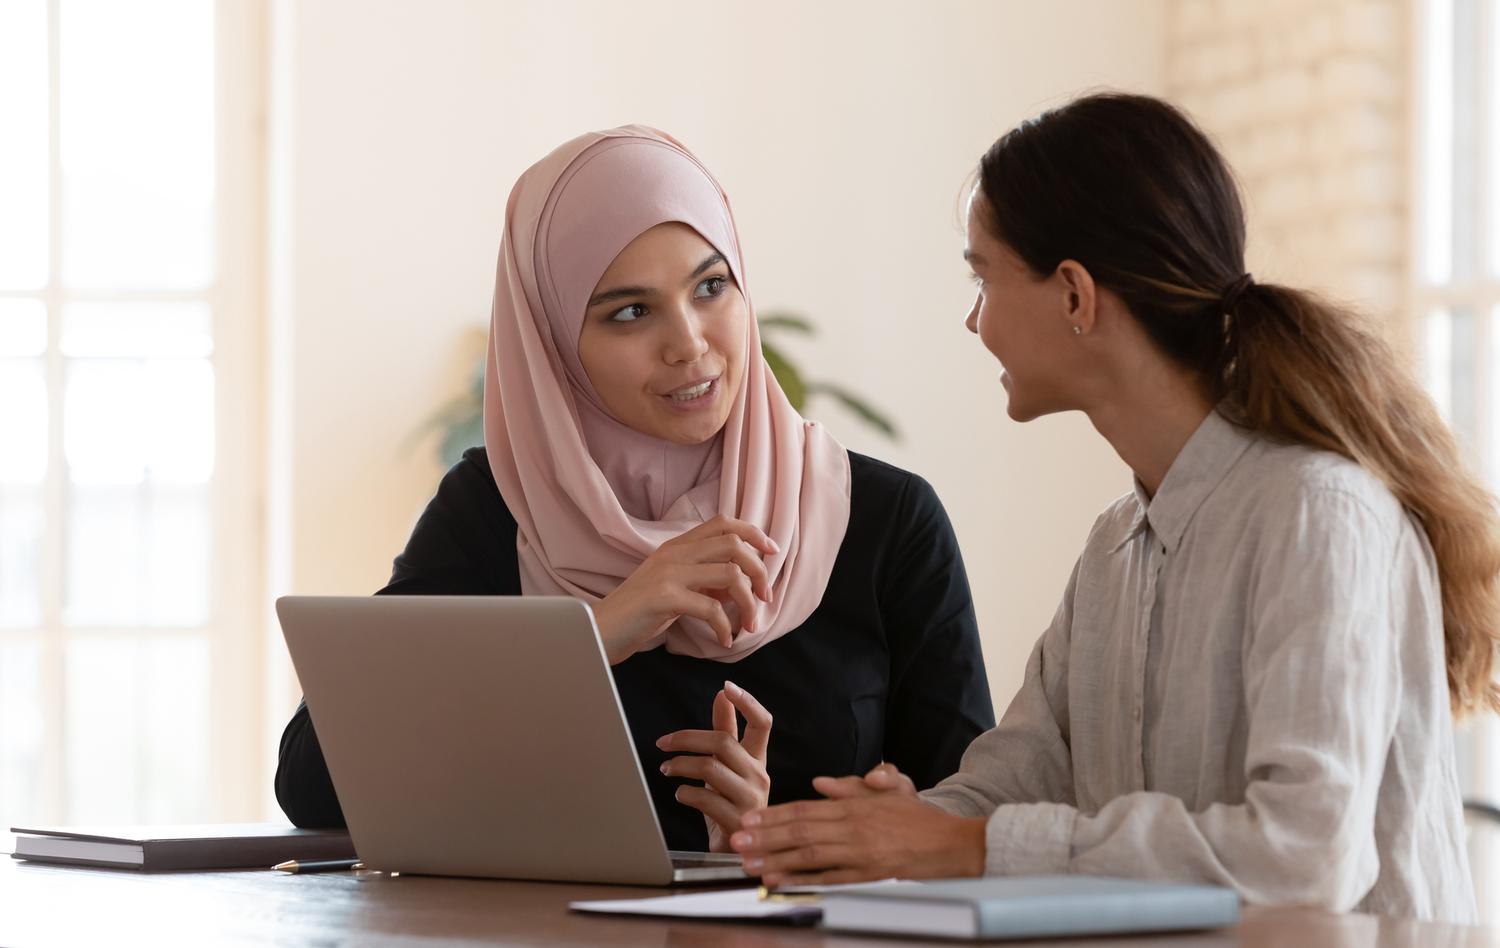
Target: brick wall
1308,99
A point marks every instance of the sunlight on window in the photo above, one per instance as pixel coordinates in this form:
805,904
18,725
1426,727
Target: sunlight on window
1437,144
24,225
145,760
137,142
23,422
20,725
23,325
138,557
137,329
1492,77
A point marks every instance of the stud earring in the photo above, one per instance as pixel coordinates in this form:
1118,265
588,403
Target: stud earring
1077,330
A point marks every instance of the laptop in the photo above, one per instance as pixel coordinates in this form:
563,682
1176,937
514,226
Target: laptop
481,736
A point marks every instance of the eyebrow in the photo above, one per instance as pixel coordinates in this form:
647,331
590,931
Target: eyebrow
624,292
972,258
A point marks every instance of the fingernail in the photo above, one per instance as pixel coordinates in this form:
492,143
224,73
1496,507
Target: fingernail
753,863
740,840
665,766
751,819
732,688
664,741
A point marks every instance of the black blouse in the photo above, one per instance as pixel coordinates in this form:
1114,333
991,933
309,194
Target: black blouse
888,666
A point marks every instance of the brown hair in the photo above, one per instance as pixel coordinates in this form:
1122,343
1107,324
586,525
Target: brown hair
1127,186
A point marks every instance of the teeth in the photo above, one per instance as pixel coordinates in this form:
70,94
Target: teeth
690,393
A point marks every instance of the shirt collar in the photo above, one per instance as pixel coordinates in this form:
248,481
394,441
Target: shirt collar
1202,464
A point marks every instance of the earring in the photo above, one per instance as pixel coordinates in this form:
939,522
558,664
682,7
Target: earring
1077,330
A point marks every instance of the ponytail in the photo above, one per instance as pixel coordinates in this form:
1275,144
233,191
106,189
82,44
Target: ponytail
1301,370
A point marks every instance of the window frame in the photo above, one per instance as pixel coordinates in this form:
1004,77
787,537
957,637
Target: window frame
1478,739
235,625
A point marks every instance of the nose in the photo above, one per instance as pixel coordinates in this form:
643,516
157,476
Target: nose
685,342
971,322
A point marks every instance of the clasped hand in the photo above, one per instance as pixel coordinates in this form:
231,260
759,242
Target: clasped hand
870,827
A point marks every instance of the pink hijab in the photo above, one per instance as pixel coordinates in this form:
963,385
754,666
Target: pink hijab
593,498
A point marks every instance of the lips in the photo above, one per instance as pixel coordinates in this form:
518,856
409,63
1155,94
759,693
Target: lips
692,390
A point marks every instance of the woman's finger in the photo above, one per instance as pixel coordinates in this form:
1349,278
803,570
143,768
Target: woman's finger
722,524
800,811
888,777
725,576
751,563
843,788
712,771
813,857
757,720
686,602
726,750
723,716
760,841
711,805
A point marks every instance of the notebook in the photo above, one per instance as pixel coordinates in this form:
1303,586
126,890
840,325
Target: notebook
1029,907
204,846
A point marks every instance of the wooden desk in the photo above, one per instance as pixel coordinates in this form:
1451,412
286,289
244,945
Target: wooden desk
47,905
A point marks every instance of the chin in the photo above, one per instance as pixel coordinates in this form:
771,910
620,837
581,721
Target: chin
691,434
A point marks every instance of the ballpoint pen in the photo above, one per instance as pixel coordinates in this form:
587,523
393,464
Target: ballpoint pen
801,898
319,865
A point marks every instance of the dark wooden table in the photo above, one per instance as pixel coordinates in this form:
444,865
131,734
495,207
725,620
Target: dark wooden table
50,905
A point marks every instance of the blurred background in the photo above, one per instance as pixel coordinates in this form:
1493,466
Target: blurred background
247,250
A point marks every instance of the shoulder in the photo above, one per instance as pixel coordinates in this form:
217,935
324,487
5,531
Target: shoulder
875,485
1289,480
468,488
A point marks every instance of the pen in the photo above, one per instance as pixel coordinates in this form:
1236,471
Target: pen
805,898
320,865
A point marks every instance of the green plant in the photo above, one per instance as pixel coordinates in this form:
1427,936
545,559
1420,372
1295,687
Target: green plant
460,420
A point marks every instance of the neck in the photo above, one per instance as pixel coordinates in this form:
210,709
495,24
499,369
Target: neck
1149,416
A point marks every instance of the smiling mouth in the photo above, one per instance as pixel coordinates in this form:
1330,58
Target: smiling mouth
689,393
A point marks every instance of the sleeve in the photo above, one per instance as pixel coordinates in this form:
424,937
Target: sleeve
1321,695
939,697
458,547
1026,758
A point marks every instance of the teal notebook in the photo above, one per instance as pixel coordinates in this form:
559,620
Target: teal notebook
1029,907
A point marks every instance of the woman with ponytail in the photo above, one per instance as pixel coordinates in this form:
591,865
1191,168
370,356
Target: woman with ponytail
1252,675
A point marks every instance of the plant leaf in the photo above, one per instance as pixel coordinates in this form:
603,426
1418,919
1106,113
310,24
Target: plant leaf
790,321
787,374
867,413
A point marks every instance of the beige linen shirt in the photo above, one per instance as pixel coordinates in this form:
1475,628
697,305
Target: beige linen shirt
1244,685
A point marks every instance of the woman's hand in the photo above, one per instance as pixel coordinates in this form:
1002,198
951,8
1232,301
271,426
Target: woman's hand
694,574
871,827
733,769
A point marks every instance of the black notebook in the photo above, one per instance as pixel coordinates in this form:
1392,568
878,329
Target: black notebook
203,846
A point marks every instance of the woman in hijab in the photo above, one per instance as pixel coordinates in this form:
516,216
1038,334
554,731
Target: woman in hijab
1251,676
641,456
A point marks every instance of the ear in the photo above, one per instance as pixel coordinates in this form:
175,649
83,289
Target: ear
1080,297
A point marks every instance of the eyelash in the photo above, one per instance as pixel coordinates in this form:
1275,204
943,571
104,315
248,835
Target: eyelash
723,282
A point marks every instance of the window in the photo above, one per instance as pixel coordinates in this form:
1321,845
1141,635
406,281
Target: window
1456,284
128,553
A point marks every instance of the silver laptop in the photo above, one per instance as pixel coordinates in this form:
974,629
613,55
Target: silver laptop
481,736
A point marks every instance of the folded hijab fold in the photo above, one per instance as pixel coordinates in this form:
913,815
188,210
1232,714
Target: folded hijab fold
592,497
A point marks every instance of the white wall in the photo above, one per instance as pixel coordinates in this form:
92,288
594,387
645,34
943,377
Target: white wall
843,132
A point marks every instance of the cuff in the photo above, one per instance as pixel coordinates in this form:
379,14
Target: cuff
954,800
1028,839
